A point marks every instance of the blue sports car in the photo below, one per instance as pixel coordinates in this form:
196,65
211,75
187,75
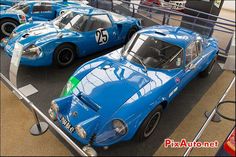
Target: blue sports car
31,10
76,33
121,95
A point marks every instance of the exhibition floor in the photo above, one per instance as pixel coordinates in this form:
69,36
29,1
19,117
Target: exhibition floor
15,115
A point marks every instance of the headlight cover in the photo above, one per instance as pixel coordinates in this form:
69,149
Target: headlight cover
53,111
12,35
32,51
119,127
80,131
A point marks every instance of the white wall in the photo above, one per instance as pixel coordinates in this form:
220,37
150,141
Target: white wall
229,5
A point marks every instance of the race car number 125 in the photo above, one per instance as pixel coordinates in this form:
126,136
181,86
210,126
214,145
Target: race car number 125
101,36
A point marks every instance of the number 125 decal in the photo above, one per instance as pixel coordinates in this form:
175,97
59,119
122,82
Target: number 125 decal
101,36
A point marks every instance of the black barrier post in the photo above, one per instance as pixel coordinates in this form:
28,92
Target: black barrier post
133,10
38,128
164,19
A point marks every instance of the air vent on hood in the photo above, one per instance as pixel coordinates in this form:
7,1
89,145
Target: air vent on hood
88,102
25,35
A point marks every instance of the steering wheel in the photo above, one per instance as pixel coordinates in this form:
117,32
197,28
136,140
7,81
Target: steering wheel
159,53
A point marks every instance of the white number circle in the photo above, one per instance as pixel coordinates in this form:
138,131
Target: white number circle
101,36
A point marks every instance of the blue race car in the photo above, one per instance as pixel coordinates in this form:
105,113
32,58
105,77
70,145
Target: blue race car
76,33
31,10
122,95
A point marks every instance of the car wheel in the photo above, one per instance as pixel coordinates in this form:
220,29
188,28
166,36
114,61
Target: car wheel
209,69
7,26
131,32
149,124
64,55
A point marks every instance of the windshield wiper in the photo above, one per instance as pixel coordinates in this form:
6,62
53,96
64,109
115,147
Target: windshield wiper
140,60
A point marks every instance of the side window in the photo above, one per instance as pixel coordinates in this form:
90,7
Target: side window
175,62
98,21
191,52
41,8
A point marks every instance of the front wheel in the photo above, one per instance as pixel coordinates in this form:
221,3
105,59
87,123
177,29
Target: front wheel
7,26
64,55
149,124
131,32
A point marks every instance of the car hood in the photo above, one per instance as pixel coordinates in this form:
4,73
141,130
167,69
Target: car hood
39,34
11,11
110,85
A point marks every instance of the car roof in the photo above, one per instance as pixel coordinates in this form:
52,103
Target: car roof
172,34
90,11
50,1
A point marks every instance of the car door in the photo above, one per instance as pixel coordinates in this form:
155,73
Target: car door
42,12
100,33
193,60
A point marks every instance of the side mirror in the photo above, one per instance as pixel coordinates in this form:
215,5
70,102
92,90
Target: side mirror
30,20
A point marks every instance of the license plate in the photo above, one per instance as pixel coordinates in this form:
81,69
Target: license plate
67,124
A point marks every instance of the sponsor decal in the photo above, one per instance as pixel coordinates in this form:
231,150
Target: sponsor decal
101,36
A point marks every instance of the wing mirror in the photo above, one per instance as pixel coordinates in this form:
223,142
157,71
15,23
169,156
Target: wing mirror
30,20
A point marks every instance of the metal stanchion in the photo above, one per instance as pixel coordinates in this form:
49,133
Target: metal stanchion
38,128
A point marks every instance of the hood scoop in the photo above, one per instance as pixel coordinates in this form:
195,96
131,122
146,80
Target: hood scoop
25,35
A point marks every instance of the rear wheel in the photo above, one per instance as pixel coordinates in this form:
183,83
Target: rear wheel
64,55
7,26
149,124
208,70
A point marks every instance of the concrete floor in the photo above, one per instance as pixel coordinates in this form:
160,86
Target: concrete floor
16,120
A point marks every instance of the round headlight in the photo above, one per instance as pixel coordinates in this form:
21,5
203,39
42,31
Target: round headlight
32,51
119,127
80,131
53,111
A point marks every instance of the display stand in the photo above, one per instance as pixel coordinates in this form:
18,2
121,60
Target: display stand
39,127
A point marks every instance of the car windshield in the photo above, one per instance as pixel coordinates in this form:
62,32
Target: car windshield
151,52
72,20
22,7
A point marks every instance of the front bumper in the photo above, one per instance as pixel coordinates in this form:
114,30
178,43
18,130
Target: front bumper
44,60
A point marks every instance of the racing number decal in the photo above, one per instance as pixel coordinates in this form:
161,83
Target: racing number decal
101,36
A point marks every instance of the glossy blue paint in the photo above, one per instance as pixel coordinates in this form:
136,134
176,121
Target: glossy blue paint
48,36
122,90
24,16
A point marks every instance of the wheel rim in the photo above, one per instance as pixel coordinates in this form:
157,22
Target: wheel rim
7,28
150,127
65,56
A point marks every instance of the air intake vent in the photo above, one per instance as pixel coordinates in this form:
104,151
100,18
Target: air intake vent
25,35
160,33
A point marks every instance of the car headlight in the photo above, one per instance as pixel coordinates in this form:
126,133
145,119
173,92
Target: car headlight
119,127
53,111
80,131
32,51
12,35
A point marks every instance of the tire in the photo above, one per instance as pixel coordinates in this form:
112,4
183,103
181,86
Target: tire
131,32
7,26
64,55
208,69
146,130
